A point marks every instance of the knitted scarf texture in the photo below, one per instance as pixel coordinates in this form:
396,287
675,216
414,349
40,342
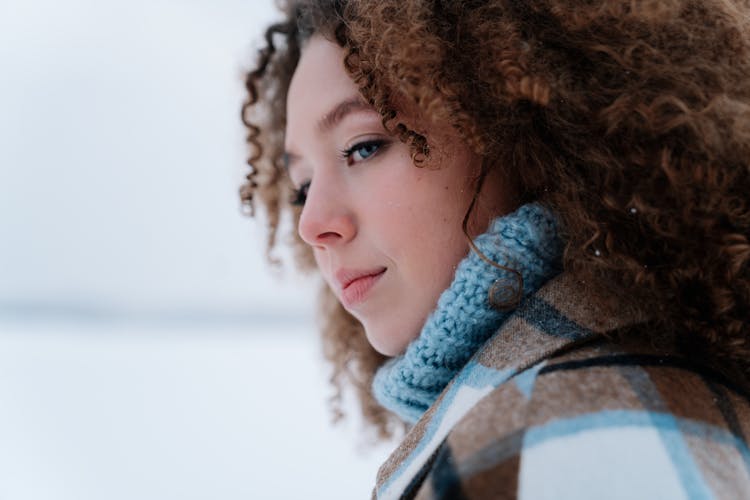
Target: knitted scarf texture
526,241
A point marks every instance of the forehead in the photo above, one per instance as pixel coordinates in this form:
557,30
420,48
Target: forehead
319,83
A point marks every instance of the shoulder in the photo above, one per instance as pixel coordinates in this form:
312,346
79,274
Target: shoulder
600,421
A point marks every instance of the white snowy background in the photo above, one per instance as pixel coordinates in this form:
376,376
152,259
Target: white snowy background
145,349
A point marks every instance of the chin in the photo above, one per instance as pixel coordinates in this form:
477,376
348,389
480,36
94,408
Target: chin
385,342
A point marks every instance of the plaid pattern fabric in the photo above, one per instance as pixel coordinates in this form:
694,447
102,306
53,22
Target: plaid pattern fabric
549,408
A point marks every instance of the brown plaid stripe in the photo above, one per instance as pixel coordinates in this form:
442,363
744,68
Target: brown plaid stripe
557,372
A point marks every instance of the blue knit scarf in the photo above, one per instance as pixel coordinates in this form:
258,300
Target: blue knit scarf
526,241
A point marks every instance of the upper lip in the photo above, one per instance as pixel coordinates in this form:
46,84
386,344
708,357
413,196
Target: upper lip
346,277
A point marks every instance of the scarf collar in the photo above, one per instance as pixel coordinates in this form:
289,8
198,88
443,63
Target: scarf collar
526,241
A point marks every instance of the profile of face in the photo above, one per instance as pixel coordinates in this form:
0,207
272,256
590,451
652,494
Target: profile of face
386,235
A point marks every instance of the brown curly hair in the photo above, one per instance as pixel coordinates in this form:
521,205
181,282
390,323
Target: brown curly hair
629,118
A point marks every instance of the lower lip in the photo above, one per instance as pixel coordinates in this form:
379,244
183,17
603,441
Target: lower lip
358,289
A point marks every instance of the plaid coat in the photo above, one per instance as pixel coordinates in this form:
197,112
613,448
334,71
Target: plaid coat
549,408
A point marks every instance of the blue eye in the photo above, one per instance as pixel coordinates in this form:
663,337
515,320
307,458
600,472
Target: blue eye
366,150
299,195
362,150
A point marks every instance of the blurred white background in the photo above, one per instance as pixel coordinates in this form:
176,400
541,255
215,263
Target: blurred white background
145,349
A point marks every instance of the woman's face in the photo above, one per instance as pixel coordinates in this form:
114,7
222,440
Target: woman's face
386,235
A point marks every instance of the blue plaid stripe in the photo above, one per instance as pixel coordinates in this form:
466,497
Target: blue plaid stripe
671,429
669,432
537,343
474,375
546,318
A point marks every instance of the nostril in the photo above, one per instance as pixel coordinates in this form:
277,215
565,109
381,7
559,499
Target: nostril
321,227
328,236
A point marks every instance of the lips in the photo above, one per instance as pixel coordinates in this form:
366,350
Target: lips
356,284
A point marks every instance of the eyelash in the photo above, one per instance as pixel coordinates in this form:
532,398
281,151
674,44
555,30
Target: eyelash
299,195
348,153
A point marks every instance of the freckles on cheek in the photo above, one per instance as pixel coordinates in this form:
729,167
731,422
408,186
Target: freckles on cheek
389,197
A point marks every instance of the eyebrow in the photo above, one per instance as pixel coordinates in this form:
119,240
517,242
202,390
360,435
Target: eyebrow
341,110
353,104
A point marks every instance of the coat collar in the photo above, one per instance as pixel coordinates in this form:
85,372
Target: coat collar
562,314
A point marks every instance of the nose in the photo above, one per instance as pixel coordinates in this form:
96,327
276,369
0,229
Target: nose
327,218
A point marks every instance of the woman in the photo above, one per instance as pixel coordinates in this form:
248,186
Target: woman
532,221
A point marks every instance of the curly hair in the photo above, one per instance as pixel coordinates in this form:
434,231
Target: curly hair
629,118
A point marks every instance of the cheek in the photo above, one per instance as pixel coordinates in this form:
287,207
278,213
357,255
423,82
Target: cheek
424,228
421,204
